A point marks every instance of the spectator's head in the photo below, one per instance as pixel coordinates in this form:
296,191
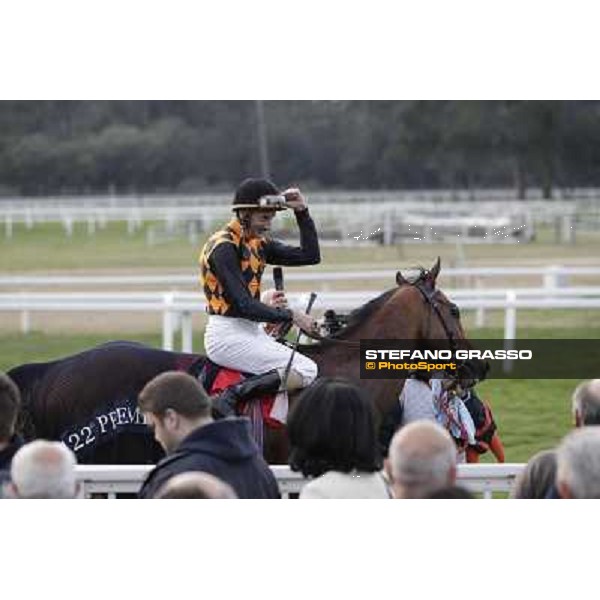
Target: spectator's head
332,428
196,485
10,401
422,460
43,469
453,492
174,404
578,464
537,478
586,403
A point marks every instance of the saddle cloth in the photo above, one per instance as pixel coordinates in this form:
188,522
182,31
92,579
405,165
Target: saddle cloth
216,378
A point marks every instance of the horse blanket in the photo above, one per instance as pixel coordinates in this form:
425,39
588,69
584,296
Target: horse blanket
89,400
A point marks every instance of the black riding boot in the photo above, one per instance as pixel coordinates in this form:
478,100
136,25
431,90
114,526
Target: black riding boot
225,403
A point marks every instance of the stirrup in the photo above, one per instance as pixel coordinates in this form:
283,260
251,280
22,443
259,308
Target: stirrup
266,383
224,404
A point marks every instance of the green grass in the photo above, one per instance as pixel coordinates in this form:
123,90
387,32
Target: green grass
17,349
531,415
47,247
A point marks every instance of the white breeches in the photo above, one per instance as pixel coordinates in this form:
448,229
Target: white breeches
243,345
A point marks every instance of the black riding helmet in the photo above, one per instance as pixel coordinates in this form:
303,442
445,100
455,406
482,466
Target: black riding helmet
258,194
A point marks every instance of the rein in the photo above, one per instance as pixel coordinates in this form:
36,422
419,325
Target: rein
324,339
429,297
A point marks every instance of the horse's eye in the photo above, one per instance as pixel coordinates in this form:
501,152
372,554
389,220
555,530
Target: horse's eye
454,311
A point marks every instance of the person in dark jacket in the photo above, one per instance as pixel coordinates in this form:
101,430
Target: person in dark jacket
178,409
10,442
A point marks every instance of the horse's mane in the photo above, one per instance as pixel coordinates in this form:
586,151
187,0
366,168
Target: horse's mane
359,315
362,313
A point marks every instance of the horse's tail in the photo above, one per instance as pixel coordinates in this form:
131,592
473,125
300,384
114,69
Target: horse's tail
26,378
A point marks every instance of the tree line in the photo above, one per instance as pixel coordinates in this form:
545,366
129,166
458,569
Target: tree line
85,147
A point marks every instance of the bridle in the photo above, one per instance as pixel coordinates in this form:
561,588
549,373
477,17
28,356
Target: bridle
429,295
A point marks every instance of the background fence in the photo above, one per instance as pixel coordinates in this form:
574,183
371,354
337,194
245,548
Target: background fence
551,276
177,307
386,217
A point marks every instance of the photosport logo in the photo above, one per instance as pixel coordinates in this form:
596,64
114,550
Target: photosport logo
385,359
503,359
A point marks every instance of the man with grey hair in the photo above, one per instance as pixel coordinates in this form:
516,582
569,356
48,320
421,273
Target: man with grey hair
422,460
196,485
43,469
578,464
586,403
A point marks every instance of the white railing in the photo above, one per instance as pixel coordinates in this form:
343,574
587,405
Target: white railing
126,479
534,197
389,212
550,276
177,308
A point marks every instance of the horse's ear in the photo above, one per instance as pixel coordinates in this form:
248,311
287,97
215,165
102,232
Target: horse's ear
435,270
400,279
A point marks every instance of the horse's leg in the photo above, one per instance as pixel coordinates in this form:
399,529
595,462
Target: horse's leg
497,447
472,455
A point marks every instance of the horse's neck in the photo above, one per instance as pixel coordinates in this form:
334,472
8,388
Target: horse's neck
371,329
382,327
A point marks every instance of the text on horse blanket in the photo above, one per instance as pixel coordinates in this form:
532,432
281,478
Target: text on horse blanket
122,416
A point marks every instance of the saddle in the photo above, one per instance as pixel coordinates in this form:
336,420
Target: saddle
216,378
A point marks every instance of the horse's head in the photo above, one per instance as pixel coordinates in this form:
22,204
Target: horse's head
436,319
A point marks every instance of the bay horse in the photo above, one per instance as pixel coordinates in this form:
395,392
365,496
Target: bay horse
88,400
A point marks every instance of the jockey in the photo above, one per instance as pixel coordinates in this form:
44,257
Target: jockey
232,263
